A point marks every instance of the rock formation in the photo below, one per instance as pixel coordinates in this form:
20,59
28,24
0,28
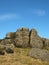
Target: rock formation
23,38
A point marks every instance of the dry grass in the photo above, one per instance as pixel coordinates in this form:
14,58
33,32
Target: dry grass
19,57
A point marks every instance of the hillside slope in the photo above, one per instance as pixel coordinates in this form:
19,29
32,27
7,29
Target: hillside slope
19,57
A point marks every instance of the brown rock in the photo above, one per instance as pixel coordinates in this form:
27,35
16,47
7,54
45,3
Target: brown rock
10,35
6,41
33,31
22,37
45,42
35,40
2,47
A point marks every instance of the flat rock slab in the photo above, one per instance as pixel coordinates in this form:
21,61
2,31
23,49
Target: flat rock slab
39,54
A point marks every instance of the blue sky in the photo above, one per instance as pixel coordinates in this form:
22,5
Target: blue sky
24,13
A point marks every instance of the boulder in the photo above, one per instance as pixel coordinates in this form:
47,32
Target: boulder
6,44
35,40
22,37
40,54
9,50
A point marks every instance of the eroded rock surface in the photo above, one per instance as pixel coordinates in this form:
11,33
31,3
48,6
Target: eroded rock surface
35,40
22,37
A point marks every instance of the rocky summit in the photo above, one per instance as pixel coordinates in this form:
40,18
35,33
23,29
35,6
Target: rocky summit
25,38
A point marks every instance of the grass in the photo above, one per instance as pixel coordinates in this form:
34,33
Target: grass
19,57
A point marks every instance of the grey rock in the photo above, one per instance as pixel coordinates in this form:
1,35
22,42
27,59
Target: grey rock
39,54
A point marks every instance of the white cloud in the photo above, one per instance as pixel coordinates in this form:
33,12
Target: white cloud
39,12
9,16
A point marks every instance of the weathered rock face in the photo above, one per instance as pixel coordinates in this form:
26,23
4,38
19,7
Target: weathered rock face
10,35
7,45
34,32
39,54
35,40
2,48
7,41
22,37
45,42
